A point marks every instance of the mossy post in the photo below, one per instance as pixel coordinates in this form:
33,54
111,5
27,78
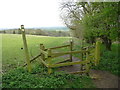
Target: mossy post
82,45
87,66
49,61
97,52
42,55
26,48
71,47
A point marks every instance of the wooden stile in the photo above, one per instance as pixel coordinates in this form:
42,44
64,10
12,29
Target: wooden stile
46,55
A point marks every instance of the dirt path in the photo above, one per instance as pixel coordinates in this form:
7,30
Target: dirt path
101,79
105,79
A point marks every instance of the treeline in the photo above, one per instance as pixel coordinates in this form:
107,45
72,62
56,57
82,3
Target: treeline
56,33
91,20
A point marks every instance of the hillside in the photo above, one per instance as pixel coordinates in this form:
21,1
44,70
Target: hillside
42,32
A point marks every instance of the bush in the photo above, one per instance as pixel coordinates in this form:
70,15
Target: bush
109,60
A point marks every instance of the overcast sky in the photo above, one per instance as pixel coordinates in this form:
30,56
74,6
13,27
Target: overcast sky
31,13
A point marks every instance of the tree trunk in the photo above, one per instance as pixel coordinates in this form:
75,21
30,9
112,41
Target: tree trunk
107,43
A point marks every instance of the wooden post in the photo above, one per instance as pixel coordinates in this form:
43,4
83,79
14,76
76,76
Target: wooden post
82,65
26,48
82,45
42,55
49,61
71,47
87,64
97,52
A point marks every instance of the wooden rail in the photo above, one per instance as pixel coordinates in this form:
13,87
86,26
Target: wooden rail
69,52
59,47
44,52
69,63
44,62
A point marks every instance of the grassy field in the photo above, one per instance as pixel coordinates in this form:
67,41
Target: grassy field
13,58
13,55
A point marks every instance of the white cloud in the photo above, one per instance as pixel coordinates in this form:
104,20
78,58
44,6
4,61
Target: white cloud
31,13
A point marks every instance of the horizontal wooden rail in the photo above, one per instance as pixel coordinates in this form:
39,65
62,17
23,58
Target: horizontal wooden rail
69,52
44,62
59,47
88,47
68,59
69,63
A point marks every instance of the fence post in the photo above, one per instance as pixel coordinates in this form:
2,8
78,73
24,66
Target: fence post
97,52
26,48
42,48
42,56
49,61
87,66
71,47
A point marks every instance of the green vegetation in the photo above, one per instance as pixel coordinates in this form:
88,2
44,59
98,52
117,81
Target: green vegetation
94,20
110,60
39,78
18,77
87,21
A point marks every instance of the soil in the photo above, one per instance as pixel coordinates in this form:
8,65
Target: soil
102,79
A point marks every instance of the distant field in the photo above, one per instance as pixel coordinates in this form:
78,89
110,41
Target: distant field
13,55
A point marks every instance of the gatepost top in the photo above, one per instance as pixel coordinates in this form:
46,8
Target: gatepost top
22,27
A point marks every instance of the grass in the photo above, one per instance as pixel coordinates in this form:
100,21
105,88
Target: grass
18,77
13,55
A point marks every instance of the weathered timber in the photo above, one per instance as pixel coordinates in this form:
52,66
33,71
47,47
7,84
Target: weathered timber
63,61
87,64
71,47
59,47
49,61
69,52
49,70
97,53
26,48
68,63
43,52
32,59
44,62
